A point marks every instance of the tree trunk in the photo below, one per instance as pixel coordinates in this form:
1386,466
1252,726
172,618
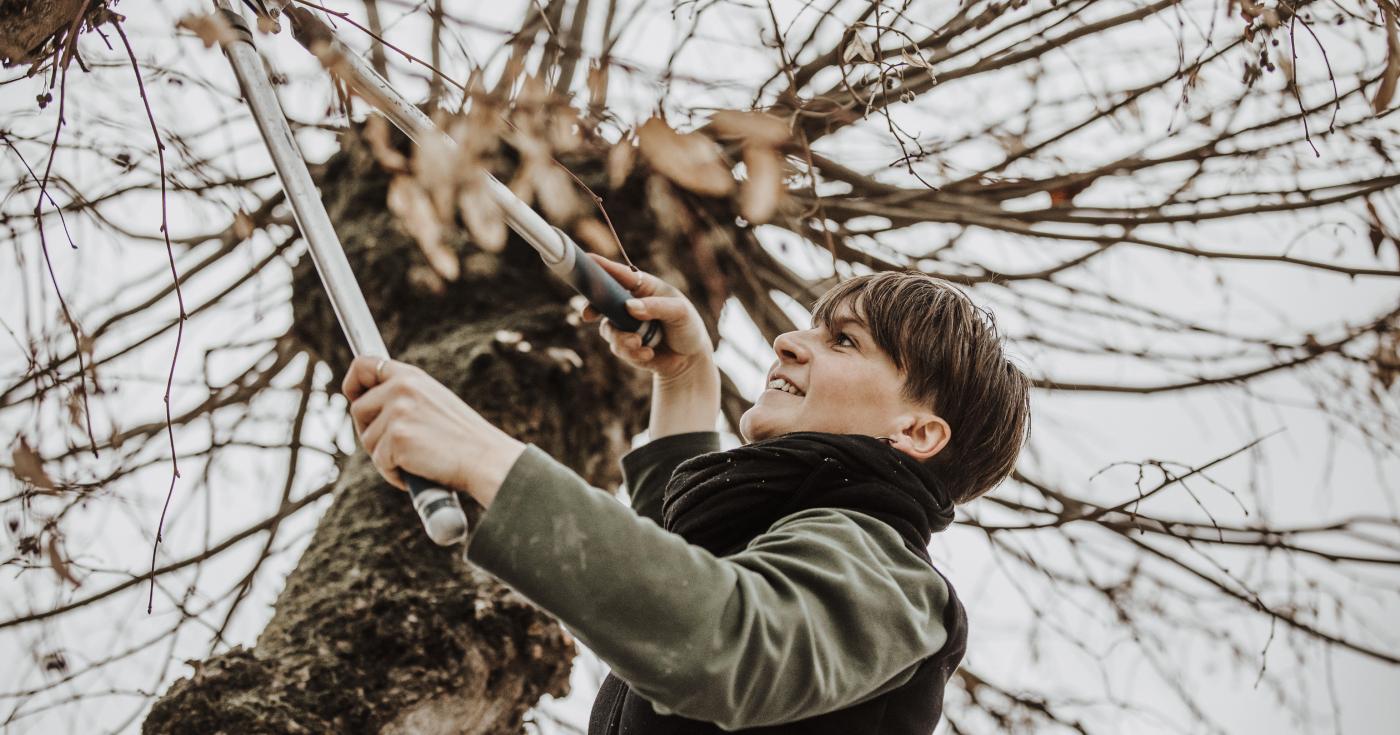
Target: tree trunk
26,26
378,630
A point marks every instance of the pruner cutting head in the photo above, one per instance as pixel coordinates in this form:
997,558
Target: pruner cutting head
268,14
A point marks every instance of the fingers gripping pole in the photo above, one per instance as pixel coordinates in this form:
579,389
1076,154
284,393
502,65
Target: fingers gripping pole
438,508
558,250
602,290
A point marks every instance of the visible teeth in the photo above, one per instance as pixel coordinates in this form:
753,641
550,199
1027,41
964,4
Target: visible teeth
784,386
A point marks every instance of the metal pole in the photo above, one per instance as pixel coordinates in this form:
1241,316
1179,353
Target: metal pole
439,508
557,249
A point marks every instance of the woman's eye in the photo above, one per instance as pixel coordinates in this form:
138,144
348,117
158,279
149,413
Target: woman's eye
842,337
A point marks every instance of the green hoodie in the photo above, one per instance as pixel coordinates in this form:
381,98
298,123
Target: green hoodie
824,610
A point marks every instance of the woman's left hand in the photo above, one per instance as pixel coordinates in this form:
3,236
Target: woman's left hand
409,422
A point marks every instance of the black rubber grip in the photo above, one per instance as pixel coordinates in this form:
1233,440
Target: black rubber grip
239,25
608,297
436,505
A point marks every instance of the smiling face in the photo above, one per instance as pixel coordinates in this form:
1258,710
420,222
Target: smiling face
833,378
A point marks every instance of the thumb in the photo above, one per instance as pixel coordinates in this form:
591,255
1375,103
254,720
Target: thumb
669,310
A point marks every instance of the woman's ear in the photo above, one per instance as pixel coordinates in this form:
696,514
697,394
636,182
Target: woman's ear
923,436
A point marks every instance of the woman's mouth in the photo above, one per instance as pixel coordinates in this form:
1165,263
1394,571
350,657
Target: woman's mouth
785,386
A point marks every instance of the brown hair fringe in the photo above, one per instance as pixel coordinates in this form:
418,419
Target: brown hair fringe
953,360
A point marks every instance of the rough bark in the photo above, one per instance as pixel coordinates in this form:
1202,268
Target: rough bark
26,26
377,630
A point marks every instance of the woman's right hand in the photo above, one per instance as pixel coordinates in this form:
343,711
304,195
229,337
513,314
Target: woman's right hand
684,347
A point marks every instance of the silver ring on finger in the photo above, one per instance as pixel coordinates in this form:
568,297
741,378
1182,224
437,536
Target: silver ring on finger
379,370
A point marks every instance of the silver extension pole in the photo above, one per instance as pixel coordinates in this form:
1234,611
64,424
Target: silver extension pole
439,508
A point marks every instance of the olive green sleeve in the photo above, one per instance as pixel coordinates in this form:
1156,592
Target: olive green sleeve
825,609
648,468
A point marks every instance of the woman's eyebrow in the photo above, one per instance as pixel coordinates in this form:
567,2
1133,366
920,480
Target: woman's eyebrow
839,322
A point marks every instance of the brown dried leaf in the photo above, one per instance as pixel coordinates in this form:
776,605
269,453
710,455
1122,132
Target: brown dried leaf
1378,234
1014,144
751,127
481,264
242,225
1387,361
85,342
331,59
87,345
691,160
212,28
1289,73
424,278
857,47
914,58
59,564
269,25
596,237
483,218
565,130
1391,76
523,184
597,85
28,467
376,133
533,93
411,204
621,157
478,132
760,192
436,167
532,148
555,191
672,215
74,403
529,109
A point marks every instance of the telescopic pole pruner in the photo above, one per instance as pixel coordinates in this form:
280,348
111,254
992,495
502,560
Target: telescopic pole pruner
438,508
441,513
558,251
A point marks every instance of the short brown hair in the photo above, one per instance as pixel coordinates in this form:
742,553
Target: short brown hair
953,360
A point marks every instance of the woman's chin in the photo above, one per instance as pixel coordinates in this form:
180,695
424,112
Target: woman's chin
755,425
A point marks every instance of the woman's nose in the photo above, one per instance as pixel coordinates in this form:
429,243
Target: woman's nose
791,348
